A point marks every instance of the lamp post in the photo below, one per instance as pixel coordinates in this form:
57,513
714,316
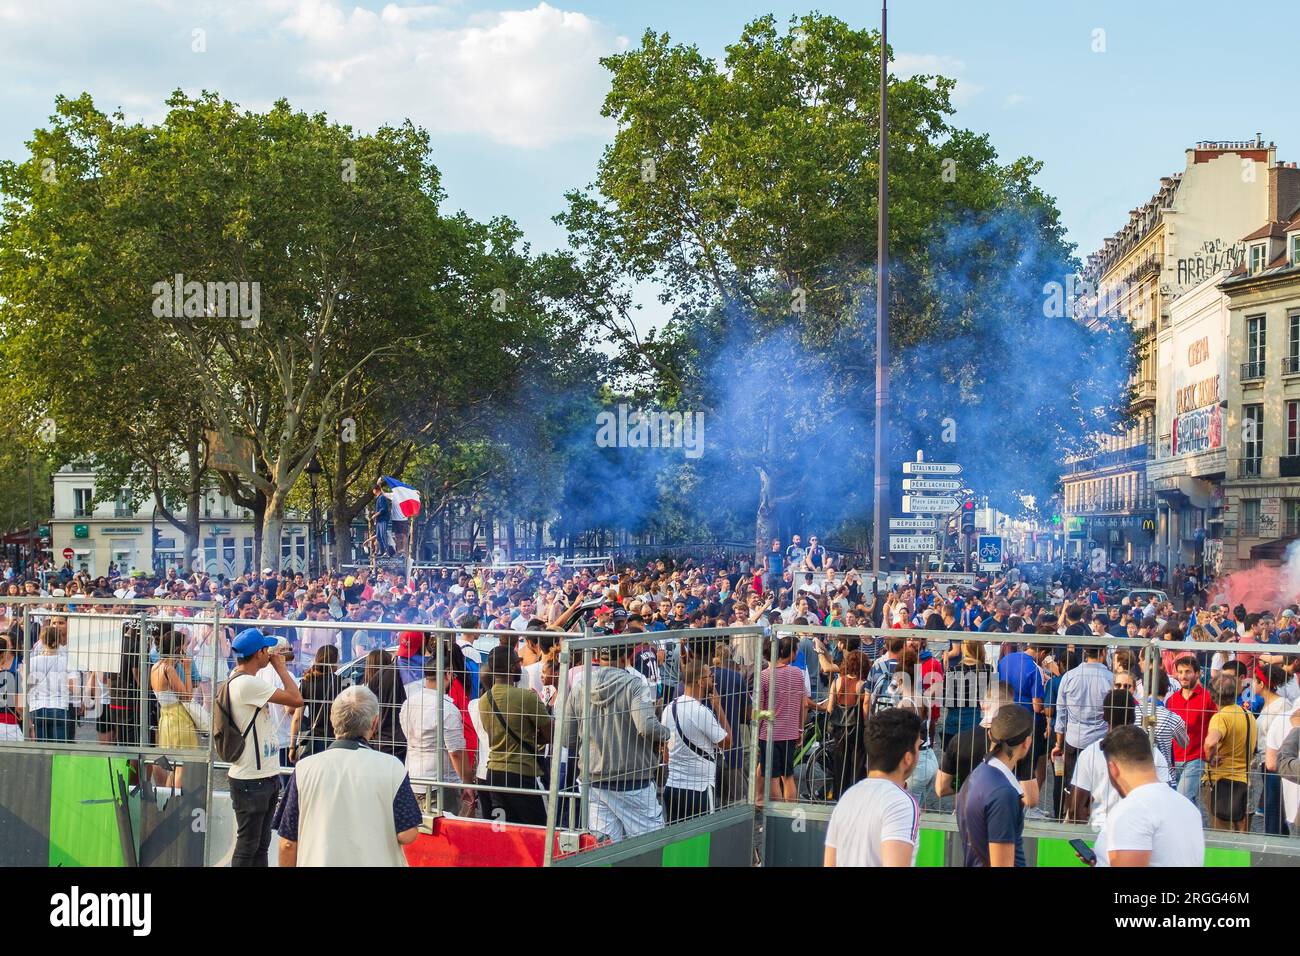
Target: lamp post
880,505
313,476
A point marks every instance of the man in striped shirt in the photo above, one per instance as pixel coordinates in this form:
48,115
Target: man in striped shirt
1170,728
1079,720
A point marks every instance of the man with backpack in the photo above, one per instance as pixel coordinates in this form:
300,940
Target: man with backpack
243,736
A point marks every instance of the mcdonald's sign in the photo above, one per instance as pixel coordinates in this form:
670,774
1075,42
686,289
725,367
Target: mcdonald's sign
1149,525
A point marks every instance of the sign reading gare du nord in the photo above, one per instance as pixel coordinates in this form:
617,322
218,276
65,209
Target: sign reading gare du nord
1198,373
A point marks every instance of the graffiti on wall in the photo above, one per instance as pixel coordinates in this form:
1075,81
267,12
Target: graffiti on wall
1214,256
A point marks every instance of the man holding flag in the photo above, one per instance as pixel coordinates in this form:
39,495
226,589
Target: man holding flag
404,506
383,520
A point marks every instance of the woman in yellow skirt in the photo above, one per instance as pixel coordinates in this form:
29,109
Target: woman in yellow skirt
170,680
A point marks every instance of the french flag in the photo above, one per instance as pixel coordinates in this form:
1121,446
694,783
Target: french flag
404,498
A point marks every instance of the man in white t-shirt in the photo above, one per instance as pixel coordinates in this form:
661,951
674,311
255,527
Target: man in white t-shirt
697,732
877,821
1153,825
281,717
1091,786
255,776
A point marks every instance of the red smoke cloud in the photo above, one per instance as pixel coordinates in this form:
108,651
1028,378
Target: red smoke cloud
1262,588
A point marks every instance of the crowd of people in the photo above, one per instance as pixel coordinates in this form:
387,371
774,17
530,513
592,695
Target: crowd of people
661,735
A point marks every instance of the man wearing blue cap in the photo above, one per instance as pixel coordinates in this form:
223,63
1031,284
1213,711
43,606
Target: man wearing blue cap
255,776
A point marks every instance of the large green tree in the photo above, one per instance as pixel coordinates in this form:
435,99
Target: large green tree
272,281
747,190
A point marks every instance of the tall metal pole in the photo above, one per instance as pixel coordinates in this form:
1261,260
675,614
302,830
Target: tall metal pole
882,313
31,521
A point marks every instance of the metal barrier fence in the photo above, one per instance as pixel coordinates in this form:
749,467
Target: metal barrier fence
104,749
643,757
956,697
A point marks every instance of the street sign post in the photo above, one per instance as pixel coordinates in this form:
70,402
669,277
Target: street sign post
955,578
990,551
913,542
938,505
931,468
931,484
913,524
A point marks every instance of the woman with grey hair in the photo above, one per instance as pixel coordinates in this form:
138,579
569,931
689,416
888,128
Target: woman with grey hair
354,713
327,816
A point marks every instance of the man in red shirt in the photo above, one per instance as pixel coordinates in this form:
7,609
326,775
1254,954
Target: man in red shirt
1193,703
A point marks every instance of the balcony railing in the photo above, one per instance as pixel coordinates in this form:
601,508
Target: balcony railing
123,511
1252,371
83,511
1109,459
1291,366
1250,467
1145,390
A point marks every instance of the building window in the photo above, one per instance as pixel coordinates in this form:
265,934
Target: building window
83,502
1250,518
1295,249
1252,440
1256,347
1291,364
1258,257
122,507
1291,517
1293,428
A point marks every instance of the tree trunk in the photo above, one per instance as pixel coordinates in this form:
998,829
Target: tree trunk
192,544
765,519
272,527
489,526
510,538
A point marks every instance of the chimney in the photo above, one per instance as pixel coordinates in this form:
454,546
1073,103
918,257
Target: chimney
1283,191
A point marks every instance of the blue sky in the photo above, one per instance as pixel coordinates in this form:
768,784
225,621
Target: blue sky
511,91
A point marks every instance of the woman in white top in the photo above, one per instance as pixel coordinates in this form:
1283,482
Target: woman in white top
50,686
426,707
1267,679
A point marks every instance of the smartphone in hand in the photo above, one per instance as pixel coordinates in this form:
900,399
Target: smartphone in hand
1084,852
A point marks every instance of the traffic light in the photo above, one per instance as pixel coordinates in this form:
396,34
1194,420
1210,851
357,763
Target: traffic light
968,516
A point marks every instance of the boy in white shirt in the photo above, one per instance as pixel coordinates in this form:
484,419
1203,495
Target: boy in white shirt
877,821
1153,824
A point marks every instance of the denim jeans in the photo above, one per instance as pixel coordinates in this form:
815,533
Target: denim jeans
1187,778
921,783
254,804
52,724
1275,822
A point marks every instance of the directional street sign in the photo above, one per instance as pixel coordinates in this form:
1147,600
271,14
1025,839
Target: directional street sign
930,468
939,505
931,484
912,524
952,577
912,542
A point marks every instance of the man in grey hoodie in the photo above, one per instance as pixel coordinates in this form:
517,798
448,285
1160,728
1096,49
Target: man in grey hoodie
619,747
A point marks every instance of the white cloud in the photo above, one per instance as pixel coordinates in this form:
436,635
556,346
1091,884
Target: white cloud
1014,100
523,78
908,65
